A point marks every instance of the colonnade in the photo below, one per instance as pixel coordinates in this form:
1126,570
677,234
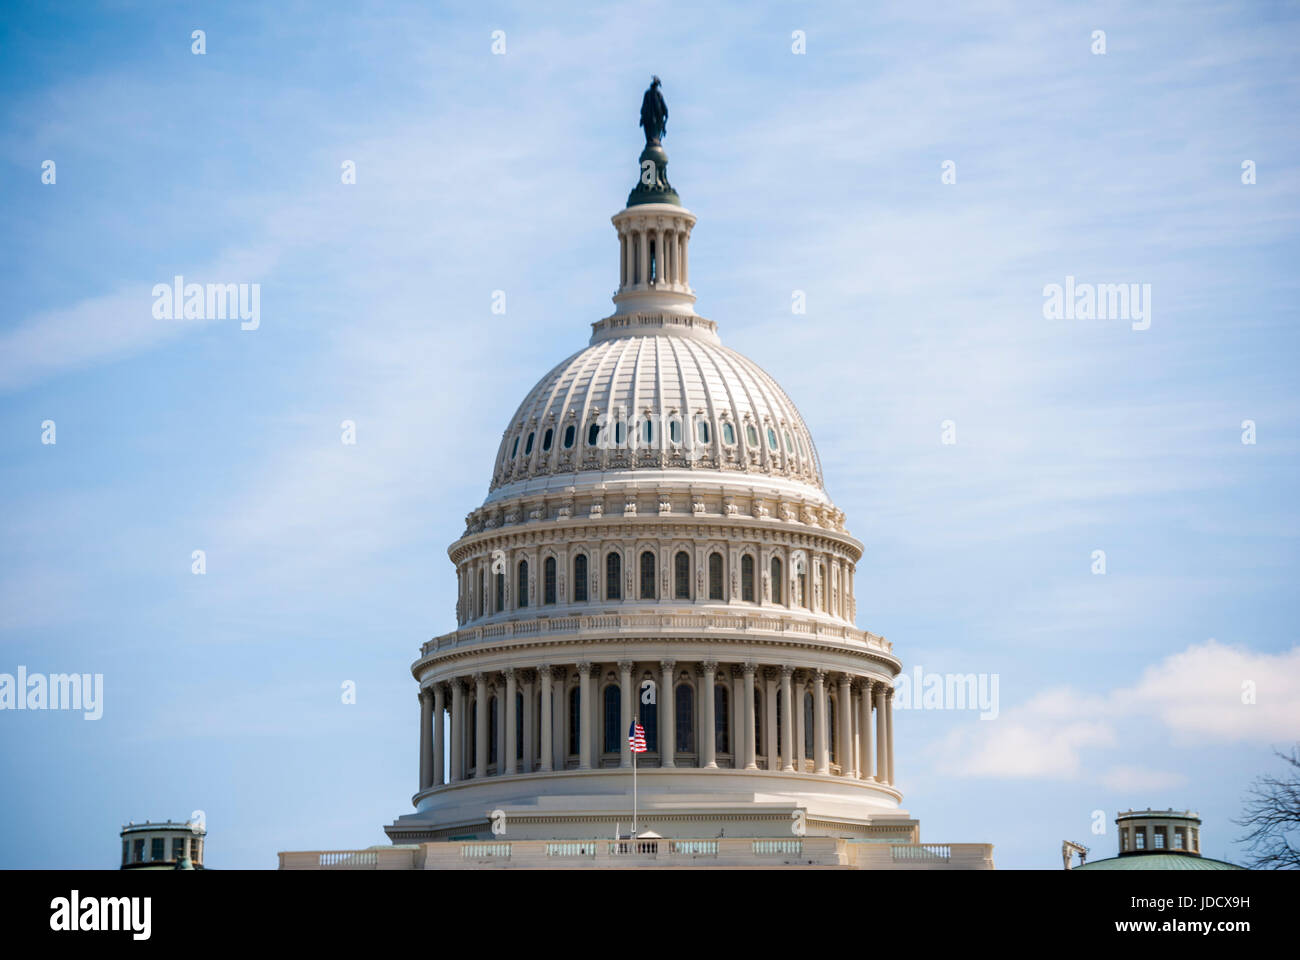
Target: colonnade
576,716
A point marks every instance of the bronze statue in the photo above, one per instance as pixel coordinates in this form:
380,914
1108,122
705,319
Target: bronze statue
654,113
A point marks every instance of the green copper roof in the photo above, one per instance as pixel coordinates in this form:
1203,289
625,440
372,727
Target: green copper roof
1159,861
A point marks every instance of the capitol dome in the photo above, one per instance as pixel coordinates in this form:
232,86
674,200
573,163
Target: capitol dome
662,394
656,544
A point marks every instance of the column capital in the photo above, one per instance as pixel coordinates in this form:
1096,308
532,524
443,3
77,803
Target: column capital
819,676
709,666
584,667
787,671
509,673
528,675
426,693
625,666
750,668
480,677
889,691
667,666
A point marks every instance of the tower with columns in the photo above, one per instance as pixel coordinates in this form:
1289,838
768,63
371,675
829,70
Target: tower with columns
657,543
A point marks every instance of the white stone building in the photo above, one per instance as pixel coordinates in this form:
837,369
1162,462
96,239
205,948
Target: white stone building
656,542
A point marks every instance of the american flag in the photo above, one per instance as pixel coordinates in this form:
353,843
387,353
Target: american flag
636,737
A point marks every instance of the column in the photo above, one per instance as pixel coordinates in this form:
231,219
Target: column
584,715
559,716
480,725
498,687
771,742
530,720
426,737
661,259
544,680
457,730
882,728
686,259
798,725
667,715
737,718
708,727
439,735
787,720
889,721
644,256
625,710
864,723
848,767
512,745
821,762
747,708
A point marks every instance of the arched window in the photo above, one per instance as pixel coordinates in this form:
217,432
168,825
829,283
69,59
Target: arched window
514,451
650,720
702,430
547,437
728,433
569,431
747,578
675,431
778,578
593,434
548,577
682,575
821,578
580,578
721,720
492,729
808,740
522,595
575,719
528,447
685,711
771,438
618,433
613,577
501,592
715,576
648,432
613,719
473,737
789,447
759,738
647,575
802,580
831,739
751,434
519,726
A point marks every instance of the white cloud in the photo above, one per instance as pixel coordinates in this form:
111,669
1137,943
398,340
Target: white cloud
1195,696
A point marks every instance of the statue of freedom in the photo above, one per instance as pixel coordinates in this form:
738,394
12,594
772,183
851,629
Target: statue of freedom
654,113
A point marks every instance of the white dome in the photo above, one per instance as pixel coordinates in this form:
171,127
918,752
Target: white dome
666,380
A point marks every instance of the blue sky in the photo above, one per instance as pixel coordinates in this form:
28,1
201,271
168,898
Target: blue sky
818,172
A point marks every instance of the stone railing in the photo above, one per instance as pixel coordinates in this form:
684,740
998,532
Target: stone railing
646,852
399,857
691,624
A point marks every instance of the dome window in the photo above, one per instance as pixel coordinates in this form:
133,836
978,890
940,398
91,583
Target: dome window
593,434
528,446
751,434
675,431
618,434
771,438
702,430
648,434
514,451
728,434
547,437
789,447
569,433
